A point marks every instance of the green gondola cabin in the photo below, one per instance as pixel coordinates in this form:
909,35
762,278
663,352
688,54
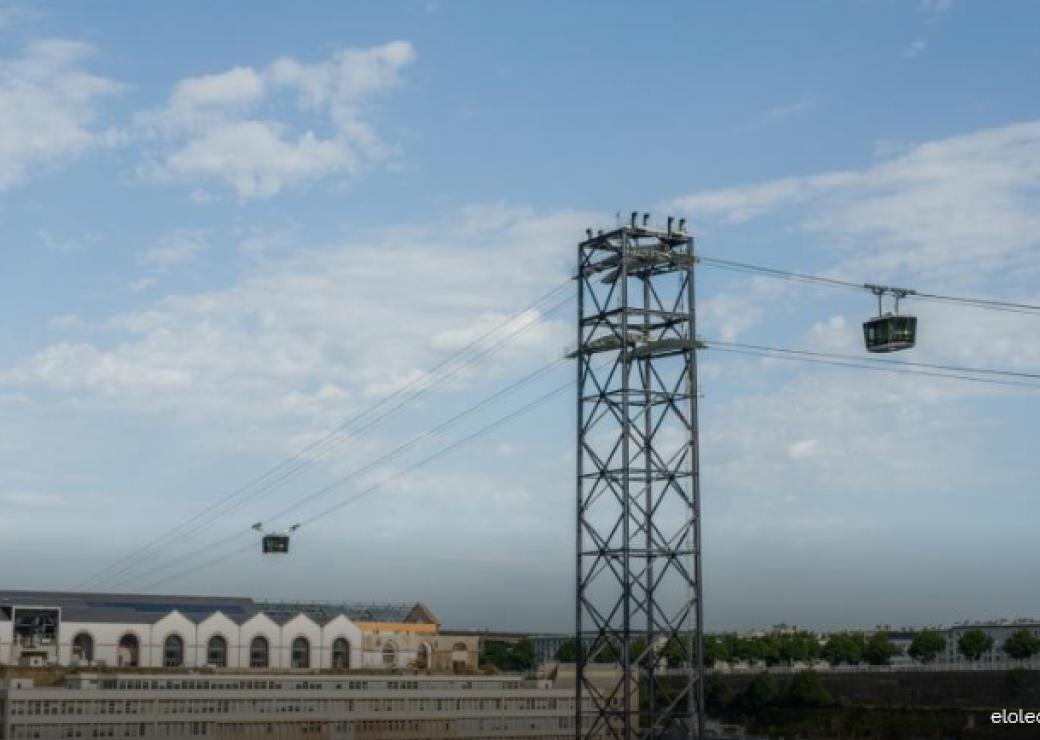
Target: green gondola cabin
890,333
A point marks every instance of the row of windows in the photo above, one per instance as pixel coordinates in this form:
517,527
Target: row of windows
236,706
217,684
368,728
217,651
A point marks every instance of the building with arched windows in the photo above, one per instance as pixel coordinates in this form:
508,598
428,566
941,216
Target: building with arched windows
39,628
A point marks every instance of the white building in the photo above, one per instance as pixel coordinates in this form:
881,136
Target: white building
233,706
145,631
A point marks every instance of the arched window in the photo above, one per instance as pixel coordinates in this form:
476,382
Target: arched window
390,654
216,652
128,652
422,657
83,647
259,649
173,652
340,653
301,653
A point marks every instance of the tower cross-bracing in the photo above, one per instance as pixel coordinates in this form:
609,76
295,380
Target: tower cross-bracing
638,494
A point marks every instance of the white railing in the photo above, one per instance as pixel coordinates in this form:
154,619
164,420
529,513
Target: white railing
937,667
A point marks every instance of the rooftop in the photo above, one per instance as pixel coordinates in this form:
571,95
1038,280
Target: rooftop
149,608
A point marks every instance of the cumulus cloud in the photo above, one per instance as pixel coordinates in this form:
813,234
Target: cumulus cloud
322,330
955,216
48,108
234,127
961,202
172,251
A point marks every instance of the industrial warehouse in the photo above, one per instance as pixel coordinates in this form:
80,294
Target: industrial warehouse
115,665
43,628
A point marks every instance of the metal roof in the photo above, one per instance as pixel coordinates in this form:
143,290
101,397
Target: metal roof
130,608
150,608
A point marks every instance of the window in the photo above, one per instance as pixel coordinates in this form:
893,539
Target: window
128,651
301,653
423,656
340,653
83,647
390,654
258,652
173,652
216,652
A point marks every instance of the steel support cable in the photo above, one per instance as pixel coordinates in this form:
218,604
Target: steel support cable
444,451
232,506
220,558
463,441
382,459
746,267
304,453
879,368
255,495
877,360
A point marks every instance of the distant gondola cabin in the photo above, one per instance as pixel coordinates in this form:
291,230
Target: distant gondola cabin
890,333
275,544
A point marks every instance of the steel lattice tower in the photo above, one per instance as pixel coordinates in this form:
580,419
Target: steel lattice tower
638,494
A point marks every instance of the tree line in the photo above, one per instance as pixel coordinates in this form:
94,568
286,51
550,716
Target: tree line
839,648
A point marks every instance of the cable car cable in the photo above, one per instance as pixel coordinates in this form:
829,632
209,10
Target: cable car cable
236,505
908,363
275,469
386,457
749,268
840,363
483,431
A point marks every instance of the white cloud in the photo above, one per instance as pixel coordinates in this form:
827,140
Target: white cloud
257,158
325,330
956,216
956,205
30,500
803,449
48,108
141,285
935,7
789,110
229,127
240,86
172,251
65,321
915,48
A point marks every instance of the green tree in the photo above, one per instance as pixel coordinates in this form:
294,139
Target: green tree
806,690
880,650
717,692
974,643
675,652
798,647
523,655
927,645
568,651
844,647
1021,644
733,647
609,653
761,692
518,656
715,651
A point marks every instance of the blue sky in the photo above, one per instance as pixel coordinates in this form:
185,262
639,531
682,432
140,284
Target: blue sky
228,226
